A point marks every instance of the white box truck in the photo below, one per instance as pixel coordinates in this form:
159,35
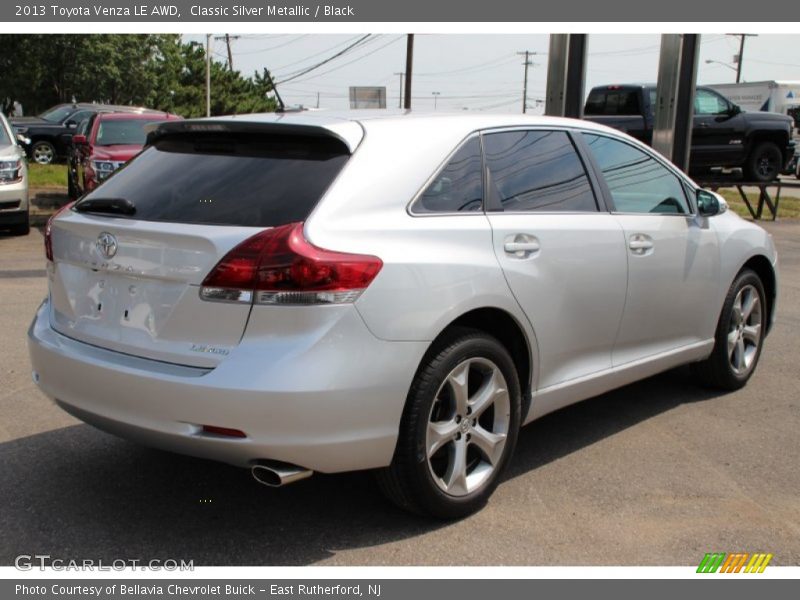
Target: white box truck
766,96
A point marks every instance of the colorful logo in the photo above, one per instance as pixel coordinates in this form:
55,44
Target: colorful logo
734,563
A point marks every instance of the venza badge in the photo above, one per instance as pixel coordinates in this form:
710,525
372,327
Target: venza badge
106,245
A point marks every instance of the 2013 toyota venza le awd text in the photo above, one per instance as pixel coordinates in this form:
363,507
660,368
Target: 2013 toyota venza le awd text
320,292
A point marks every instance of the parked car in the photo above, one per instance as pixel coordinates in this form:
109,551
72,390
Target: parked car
724,135
14,210
51,132
332,292
103,143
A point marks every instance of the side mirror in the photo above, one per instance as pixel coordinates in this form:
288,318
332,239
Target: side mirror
734,110
709,204
71,124
79,139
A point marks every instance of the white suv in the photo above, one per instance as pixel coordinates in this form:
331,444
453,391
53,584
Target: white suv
313,292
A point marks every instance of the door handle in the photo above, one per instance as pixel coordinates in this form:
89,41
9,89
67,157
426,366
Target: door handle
703,125
521,245
640,244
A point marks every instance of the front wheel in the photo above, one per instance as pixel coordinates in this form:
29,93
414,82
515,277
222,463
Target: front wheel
739,336
764,163
459,427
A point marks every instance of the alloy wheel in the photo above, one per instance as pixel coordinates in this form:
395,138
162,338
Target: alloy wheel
744,332
468,427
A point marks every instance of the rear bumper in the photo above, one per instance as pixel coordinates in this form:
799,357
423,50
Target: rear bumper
333,406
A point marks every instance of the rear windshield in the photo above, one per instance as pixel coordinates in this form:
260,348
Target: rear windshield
130,131
613,103
248,180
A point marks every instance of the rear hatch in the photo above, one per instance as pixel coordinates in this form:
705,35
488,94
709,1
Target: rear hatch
129,258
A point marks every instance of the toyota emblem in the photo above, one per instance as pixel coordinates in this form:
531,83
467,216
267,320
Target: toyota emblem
106,245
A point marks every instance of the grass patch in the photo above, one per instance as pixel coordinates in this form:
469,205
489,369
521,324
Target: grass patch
47,176
789,207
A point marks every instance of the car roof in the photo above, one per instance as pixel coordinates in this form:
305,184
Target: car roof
351,126
110,107
127,116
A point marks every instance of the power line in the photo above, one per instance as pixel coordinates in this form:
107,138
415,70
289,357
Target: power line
379,48
275,47
302,72
325,51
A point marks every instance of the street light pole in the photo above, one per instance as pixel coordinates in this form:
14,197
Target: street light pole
208,74
435,98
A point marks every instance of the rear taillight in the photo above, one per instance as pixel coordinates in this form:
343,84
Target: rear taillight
279,266
48,232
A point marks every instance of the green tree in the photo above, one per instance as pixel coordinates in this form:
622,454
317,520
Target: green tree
156,71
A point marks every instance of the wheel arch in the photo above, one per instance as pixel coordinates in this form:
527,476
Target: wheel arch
509,332
776,136
761,265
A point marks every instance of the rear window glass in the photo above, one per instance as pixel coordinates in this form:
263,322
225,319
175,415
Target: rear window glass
459,186
130,131
248,180
613,103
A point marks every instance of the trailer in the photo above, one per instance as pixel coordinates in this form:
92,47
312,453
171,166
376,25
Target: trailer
765,96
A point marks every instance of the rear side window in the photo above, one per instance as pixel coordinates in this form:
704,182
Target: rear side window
459,185
613,103
637,181
227,179
537,171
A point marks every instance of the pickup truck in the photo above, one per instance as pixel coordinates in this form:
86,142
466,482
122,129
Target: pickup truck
50,133
723,135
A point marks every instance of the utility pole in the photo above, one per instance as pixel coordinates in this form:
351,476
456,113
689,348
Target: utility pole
228,38
740,56
435,98
409,66
400,100
527,54
208,74
317,99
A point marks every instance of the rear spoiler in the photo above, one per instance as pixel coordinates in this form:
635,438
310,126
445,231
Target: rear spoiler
348,133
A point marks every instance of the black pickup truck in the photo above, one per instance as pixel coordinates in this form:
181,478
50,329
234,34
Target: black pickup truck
723,135
50,133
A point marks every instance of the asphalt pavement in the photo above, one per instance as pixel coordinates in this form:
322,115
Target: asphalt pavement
656,473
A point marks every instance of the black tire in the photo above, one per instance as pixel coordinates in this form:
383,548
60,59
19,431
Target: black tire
717,371
764,163
43,153
409,481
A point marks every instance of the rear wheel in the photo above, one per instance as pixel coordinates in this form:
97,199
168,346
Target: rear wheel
764,163
458,430
739,336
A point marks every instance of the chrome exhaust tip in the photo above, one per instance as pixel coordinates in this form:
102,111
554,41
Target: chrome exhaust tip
277,474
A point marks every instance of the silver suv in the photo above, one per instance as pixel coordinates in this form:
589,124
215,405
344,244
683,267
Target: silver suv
14,209
313,292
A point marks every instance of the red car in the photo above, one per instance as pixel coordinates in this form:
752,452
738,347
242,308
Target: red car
105,142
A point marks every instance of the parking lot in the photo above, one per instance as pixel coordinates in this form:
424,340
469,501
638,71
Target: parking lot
656,473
